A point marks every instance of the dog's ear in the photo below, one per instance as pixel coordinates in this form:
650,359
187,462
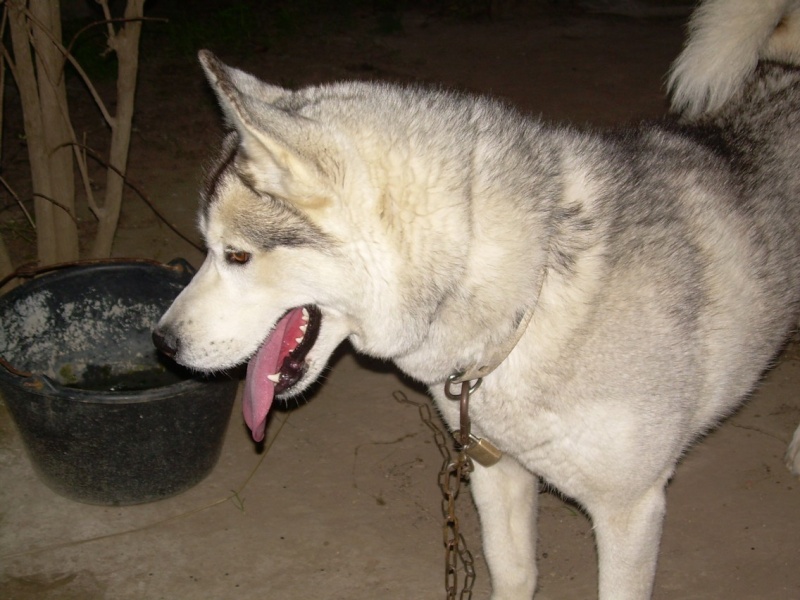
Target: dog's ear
284,153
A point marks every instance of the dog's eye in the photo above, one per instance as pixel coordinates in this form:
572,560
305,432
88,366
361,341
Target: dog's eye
237,257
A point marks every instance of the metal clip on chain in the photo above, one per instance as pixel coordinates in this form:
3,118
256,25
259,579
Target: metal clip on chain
481,450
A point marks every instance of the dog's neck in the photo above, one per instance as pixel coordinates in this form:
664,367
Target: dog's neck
493,359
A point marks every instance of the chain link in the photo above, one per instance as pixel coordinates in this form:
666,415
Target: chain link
454,473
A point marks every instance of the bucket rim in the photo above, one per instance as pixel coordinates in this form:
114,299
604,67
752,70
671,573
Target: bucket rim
179,267
41,385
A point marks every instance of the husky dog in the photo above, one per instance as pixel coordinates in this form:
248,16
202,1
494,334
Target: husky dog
619,292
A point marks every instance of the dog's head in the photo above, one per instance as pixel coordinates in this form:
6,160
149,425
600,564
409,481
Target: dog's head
285,279
270,290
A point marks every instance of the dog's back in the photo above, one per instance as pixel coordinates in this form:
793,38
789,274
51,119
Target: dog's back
737,89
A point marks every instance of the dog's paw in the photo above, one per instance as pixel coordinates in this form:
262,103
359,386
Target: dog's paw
793,454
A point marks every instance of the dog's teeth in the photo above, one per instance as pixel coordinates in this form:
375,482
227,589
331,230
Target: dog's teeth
274,378
305,314
303,328
298,340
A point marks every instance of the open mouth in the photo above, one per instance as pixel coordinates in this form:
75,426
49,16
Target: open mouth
299,338
279,364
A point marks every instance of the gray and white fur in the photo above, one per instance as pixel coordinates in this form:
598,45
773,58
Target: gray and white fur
661,263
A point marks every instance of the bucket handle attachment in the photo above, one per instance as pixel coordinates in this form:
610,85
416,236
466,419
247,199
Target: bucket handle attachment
180,265
14,371
41,383
34,381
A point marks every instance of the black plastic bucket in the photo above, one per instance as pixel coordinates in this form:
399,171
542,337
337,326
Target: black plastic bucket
104,417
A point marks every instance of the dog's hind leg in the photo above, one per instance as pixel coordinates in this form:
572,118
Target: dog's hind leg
628,536
793,453
506,495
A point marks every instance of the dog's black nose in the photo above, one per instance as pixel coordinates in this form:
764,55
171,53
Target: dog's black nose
166,343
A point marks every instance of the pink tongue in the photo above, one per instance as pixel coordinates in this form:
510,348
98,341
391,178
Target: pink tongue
258,390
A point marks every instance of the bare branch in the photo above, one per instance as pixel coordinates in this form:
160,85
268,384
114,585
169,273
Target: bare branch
6,266
2,75
83,169
38,67
126,45
107,14
76,65
57,204
55,118
18,201
94,24
34,127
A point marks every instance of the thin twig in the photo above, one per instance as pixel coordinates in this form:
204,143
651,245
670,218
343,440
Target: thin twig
107,14
83,169
18,201
141,195
2,77
7,58
56,203
85,28
68,49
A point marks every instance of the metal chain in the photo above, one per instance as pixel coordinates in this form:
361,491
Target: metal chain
453,473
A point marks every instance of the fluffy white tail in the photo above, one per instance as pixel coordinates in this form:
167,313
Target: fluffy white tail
726,40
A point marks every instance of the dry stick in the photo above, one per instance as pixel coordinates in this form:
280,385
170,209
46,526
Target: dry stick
64,112
83,170
44,94
11,191
77,66
6,266
85,28
35,195
21,205
55,116
57,204
2,77
79,159
107,14
31,111
125,42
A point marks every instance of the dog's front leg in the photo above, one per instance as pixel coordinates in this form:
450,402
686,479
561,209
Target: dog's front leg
793,453
628,533
506,495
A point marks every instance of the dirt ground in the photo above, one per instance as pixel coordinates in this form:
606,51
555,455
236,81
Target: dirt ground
343,501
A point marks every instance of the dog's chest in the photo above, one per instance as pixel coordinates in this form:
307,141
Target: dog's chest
552,444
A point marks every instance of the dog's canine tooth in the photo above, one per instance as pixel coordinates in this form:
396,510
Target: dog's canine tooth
305,314
274,378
